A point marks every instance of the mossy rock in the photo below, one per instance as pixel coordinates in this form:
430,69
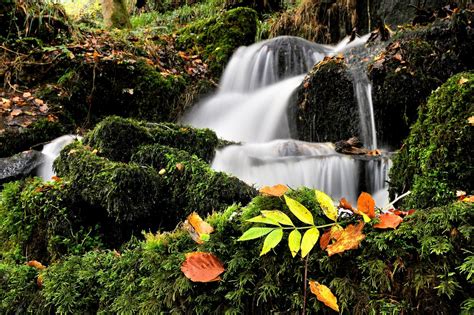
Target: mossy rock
13,141
326,92
118,138
415,63
420,267
437,157
218,37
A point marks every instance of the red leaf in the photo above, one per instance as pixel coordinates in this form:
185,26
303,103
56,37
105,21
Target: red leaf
366,204
202,267
388,221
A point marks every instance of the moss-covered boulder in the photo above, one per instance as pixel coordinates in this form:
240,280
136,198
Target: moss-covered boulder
437,157
118,138
326,92
218,37
415,63
423,266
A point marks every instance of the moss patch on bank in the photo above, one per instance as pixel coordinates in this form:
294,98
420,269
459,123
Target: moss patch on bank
437,157
422,266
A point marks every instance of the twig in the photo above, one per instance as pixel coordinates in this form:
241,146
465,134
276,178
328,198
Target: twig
396,199
305,283
12,51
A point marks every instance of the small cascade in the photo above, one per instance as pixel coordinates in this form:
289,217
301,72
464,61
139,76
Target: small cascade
251,107
363,92
51,152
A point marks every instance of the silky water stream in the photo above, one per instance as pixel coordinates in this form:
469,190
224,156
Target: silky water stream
251,107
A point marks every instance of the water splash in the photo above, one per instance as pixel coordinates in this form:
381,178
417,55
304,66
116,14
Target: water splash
51,152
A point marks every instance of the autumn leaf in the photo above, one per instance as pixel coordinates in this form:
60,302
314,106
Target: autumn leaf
254,233
343,203
271,241
327,236
346,239
471,120
16,112
310,238
202,267
388,221
263,219
278,216
197,227
294,242
36,264
366,204
327,205
275,191
300,211
324,294
463,80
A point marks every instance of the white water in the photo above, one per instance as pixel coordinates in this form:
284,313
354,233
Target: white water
251,106
51,152
363,92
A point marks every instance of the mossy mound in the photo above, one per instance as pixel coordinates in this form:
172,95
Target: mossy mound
16,140
118,138
415,63
326,92
423,266
437,157
218,37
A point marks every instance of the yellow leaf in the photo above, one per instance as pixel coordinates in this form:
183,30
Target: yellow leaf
299,210
310,238
294,242
271,241
263,219
327,205
278,216
463,80
324,294
255,232
197,228
471,120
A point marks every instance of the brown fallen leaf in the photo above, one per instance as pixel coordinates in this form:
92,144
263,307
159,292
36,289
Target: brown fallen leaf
388,221
197,227
463,80
36,264
348,238
180,167
366,204
324,294
202,267
343,203
471,120
16,112
26,95
275,191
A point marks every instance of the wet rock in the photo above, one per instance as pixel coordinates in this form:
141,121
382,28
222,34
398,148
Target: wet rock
19,165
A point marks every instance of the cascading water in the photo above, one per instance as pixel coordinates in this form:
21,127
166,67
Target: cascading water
251,106
51,152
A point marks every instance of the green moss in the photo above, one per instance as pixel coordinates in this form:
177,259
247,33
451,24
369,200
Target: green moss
409,269
436,159
217,38
118,138
14,141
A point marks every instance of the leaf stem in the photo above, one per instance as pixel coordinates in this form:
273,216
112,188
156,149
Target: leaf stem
305,284
308,227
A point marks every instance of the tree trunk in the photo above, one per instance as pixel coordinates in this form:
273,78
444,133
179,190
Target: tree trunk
115,14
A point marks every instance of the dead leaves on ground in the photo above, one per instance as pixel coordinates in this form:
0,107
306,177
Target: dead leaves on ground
324,294
202,267
388,221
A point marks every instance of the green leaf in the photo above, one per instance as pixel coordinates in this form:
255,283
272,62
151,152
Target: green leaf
204,237
271,241
278,216
310,238
294,242
327,205
263,219
255,232
299,210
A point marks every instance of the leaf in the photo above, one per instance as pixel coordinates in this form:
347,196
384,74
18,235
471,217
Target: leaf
276,191
327,236
388,221
278,216
16,112
343,203
324,294
463,80
346,239
299,210
310,238
198,228
36,264
271,241
326,204
263,219
471,120
255,232
294,242
202,267
366,204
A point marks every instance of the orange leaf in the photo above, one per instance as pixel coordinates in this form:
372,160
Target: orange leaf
366,204
348,238
324,294
202,267
388,221
345,204
36,264
197,227
324,240
276,191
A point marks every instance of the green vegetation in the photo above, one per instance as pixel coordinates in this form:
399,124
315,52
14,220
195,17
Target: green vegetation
436,159
118,138
418,267
216,38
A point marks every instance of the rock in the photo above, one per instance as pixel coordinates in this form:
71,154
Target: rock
352,147
19,165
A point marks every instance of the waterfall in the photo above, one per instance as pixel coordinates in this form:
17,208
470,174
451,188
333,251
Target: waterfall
363,92
51,152
251,107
